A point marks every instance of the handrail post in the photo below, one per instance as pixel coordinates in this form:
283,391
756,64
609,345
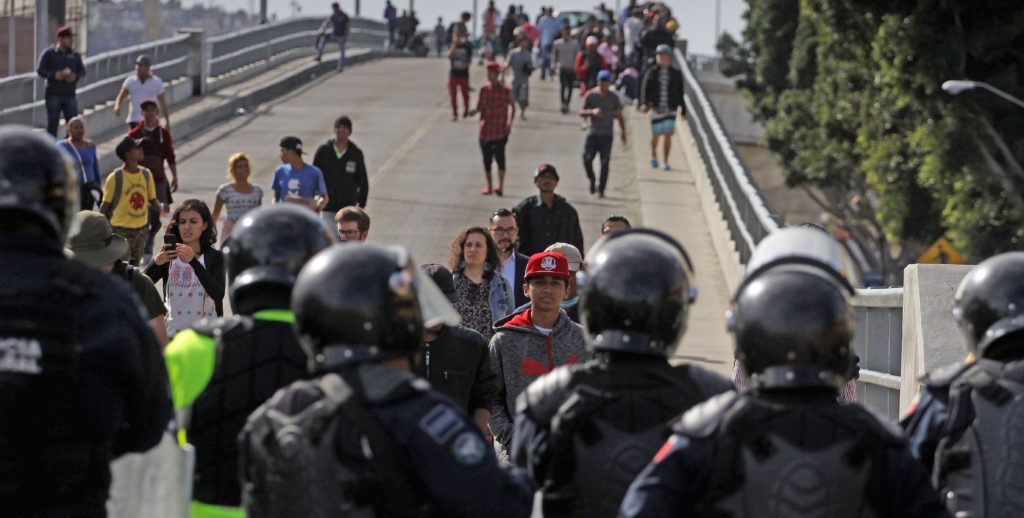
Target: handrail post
198,64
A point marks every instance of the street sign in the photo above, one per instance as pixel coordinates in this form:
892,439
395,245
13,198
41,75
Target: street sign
941,252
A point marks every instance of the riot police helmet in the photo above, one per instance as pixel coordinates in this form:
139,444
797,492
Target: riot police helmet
268,247
989,306
636,292
36,180
791,318
365,303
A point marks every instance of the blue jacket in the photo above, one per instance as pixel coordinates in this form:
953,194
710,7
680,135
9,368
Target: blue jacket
502,301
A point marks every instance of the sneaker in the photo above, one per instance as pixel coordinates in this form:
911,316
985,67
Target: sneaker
654,163
667,167
565,107
592,189
486,192
499,192
465,114
600,194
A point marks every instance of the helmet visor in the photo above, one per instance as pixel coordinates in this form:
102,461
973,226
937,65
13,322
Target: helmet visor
434,305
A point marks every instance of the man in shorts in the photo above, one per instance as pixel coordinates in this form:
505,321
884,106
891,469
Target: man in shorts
520,62
493,104
661,95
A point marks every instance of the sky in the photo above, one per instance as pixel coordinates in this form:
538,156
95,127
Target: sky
696,17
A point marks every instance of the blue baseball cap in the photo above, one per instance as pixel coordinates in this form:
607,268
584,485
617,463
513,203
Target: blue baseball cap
604,75
664,48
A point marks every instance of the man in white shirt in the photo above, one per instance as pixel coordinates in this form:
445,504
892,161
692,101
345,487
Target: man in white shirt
141,86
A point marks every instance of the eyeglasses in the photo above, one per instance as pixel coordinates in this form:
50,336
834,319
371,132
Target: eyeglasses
349,233
508,231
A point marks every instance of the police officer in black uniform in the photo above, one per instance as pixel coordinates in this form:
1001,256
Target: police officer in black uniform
81,377
367,438
250,355
967,426
787,448
584,432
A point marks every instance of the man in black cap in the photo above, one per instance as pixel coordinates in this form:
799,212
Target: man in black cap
62,67
295,181
83,381
546,218
455,359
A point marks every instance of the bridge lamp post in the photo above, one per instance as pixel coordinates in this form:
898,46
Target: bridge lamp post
954,87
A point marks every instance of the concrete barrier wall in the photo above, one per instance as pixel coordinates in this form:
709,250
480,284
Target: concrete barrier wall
931,338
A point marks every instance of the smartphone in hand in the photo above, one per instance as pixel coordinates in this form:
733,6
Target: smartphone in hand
170,243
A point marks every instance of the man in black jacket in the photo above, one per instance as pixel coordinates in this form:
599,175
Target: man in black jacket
455,360
344,170
546,218
661,95
62,67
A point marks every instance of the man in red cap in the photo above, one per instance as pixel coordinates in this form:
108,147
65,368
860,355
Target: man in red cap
62,67
531,343
494,104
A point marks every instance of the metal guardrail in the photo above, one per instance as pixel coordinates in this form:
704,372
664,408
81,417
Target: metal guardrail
21,96
702,62
745,210
232,51
23,93
878,315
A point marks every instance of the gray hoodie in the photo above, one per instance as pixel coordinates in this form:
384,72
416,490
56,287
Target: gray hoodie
520,354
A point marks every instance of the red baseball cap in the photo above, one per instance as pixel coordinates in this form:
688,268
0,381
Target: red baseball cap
64,29
552,264
493,65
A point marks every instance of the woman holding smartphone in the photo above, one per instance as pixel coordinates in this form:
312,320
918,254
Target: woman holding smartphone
192,270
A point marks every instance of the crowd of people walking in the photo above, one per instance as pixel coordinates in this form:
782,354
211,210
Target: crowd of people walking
524,375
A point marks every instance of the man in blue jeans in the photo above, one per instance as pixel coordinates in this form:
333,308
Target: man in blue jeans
62,67
339,23
602,107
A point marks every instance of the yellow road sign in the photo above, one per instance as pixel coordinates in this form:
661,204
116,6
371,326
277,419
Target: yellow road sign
941,252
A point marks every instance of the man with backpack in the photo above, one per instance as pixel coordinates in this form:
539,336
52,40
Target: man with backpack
367,437
583,455
128,191
157,148
965,426
96,245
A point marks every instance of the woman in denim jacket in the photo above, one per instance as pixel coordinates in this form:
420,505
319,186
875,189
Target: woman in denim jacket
482,295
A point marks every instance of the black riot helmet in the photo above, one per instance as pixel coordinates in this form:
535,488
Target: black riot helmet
36,179
636,292
791,317
266,250
365,303
989,306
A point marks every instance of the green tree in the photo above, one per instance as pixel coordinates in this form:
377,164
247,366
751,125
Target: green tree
849,93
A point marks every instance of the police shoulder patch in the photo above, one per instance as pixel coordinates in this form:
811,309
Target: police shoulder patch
441,423
468,449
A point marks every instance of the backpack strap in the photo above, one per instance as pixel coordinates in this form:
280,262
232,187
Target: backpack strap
118,185
382,450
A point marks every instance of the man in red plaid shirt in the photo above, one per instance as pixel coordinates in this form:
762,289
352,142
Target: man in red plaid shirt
493,104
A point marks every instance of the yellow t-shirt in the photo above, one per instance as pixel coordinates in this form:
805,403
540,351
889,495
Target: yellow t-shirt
137,190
